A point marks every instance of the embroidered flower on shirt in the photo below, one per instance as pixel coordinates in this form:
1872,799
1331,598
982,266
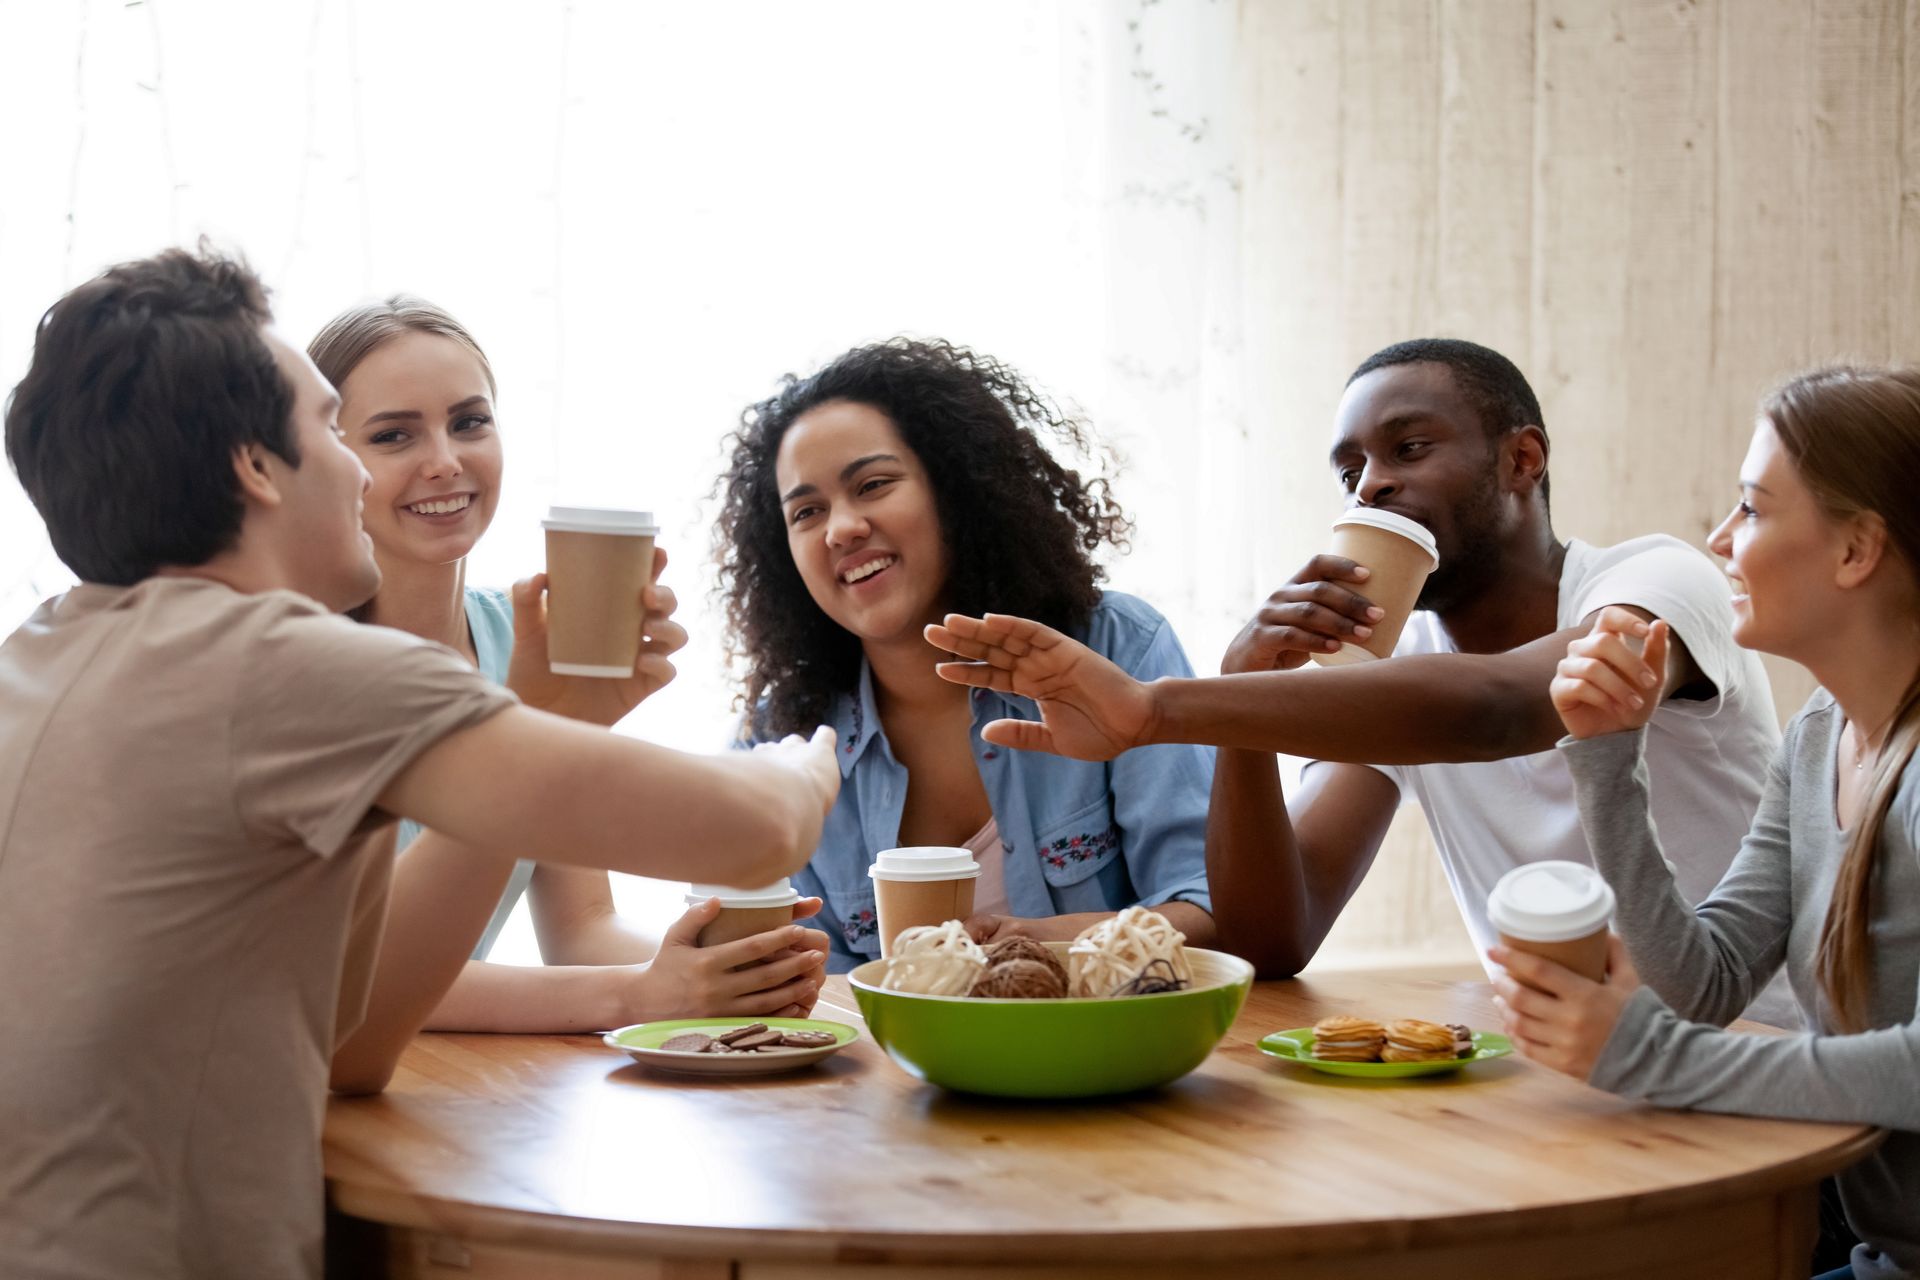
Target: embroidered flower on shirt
858,927
1084,847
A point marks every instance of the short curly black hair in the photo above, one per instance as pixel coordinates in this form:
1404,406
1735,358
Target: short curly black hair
1022,528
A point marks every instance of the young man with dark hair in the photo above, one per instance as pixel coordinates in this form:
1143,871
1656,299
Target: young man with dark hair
200,768
1448,434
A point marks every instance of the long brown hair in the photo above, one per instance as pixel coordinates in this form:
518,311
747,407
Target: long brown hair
1854,437
357,332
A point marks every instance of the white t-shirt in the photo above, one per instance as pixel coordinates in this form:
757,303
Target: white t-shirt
1707,759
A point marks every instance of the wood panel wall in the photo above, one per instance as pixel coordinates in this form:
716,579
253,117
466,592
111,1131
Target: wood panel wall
1656,208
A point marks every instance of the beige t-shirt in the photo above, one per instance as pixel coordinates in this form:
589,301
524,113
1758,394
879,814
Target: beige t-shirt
192,886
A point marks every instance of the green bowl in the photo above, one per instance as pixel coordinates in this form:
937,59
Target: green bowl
1056,1048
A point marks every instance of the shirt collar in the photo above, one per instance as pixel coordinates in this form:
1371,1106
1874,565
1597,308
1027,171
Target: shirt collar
856,717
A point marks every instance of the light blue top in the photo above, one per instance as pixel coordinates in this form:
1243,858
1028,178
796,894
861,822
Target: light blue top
490,620
1078,835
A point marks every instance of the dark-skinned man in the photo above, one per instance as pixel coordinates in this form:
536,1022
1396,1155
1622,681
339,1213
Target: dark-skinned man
1449,434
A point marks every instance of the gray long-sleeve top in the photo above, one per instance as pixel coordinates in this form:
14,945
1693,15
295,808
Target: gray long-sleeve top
1702,965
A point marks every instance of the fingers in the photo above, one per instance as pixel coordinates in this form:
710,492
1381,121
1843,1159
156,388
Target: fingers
806,909
980,675
659,561
1659,641
1022,735
1597,674
663,635
791,999
685,932
1539,973
757,947
529,605
787,970
982,928
1619,620
1311,600
979,651
1324,568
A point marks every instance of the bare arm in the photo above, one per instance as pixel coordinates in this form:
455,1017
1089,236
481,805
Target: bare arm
441,897
1281,879
1420,709
558,791
576,923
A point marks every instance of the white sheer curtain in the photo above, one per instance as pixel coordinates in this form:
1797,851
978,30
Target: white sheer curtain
646,213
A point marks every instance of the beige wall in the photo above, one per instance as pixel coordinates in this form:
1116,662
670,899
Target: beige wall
1655,207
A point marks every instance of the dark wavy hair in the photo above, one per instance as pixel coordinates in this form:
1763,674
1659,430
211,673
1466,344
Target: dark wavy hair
1021,529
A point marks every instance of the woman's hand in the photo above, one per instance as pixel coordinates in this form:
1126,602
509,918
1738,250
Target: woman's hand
1603,685
596,700
689,981
1555,1016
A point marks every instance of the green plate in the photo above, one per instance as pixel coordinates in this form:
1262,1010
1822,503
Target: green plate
1297,1046
1065,1048
642,1042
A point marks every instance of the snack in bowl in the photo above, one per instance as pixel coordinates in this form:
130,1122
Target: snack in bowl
1345,1037
1019,979
1018,1046
1136,953
934,960
1018,948
1411,1040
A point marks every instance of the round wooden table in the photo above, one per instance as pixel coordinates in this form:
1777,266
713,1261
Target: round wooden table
555,1157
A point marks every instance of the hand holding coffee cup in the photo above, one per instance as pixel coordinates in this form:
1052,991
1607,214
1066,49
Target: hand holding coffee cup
1399,555
595,700
1555,910
1611,679
1315,612
773,972
1557,1017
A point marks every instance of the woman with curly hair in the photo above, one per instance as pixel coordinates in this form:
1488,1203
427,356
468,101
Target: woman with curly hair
900,482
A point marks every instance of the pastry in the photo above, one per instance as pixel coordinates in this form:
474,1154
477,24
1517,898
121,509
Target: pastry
1411,1040
1346,1038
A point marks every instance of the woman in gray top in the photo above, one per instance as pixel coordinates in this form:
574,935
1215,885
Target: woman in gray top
1823,551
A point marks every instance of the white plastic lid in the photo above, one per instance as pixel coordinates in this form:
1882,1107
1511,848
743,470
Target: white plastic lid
778,894
1394,522
924,862
600,520
1550,902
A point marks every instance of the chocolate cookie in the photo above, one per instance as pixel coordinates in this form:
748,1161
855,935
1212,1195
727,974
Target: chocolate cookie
808,1039
689,1042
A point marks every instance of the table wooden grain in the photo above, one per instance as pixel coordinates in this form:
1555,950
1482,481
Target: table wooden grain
555,1157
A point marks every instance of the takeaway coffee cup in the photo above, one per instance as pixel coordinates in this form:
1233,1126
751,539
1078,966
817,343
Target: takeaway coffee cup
928,884
1558,910
743,912
598,561
1400,553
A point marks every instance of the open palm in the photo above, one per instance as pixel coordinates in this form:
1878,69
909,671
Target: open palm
1090,709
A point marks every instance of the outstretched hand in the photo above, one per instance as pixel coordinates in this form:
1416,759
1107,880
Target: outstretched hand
1089,708
1603,685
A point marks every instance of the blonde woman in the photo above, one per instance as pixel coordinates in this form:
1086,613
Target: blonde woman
418,408
1823,549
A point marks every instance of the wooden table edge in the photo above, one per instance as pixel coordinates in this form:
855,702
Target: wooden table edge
1146,1243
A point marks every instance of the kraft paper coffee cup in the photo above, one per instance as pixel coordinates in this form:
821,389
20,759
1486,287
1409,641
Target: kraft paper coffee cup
927,884
598,561
1558,910
1400,553
743,912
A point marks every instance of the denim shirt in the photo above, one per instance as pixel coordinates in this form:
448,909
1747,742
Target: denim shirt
1078,835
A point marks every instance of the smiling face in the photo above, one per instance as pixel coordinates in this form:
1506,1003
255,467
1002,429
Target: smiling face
1783,553
862,522
1406,440
418,412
